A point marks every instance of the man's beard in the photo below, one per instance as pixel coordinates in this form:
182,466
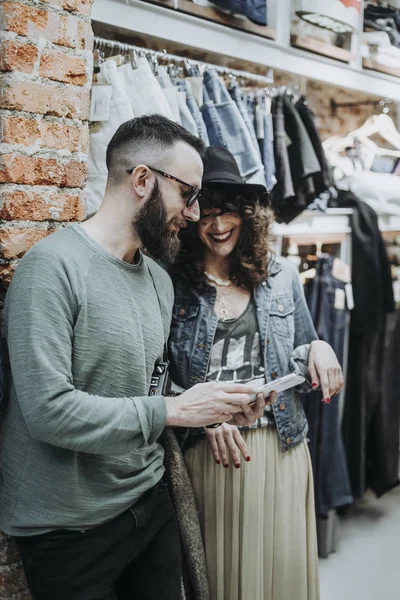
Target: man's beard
150,224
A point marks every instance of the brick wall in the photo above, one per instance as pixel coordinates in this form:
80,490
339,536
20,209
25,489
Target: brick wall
45,79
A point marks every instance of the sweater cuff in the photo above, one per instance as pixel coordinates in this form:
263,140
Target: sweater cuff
152,414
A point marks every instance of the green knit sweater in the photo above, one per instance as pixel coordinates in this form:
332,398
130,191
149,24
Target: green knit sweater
84,330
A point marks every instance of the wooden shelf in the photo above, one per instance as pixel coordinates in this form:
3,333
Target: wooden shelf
373,65
207,40
321,48
216,16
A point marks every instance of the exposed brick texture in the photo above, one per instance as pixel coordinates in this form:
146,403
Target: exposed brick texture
19,130
35,22
42,99
6,274
14,243
15,56
40,204
82,6
43,133
62,136
63,67
34,170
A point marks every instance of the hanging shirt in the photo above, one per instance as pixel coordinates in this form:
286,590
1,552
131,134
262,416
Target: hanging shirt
236,356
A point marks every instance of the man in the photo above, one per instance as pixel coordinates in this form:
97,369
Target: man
87,315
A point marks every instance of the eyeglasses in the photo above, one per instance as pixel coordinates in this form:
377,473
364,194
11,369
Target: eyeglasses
194,191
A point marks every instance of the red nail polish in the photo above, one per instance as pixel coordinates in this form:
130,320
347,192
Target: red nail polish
315,385
328,400
248,459
218,462
226,466
237,466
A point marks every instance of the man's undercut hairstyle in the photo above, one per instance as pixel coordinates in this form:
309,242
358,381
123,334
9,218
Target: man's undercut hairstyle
146,140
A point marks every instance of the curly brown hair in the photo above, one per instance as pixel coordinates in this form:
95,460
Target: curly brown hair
249,260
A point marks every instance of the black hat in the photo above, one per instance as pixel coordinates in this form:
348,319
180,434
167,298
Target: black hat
220,168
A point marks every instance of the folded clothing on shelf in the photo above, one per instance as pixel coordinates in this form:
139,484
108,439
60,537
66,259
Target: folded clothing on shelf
385,19
379,190
255,10
378,47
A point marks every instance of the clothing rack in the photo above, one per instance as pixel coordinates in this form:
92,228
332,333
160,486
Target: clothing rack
330,227
384,104
103,43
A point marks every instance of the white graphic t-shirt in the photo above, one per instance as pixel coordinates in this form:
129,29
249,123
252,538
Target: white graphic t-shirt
236,355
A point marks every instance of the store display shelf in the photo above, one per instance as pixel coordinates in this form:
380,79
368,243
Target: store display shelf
389,223
334,224
373,65
322,48
193,32
216,16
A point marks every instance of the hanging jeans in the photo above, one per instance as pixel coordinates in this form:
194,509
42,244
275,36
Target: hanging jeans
266,145
144,91
226,128
121,111
264,133
197,89
187,119
237,97
284,187
185,86
170,92
242,106
332,484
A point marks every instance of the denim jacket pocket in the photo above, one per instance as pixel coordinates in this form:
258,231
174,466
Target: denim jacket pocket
183,322
282,316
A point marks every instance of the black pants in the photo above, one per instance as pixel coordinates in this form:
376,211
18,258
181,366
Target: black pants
136,556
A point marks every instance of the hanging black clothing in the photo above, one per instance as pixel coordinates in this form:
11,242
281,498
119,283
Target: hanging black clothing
371,415
283,189
371,275
293,147
324,179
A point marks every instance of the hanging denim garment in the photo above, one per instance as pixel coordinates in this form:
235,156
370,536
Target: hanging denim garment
331,476
226,128
185,85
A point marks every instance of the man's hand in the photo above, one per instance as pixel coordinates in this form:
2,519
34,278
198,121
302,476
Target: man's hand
325,370
208,403
250,413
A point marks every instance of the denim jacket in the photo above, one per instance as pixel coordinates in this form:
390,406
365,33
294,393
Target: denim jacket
286,331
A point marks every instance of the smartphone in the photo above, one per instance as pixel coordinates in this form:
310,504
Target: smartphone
279,385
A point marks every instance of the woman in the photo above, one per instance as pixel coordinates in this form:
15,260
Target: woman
240,315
